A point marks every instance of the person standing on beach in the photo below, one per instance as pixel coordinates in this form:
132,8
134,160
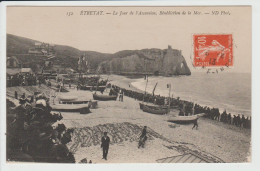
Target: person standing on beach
195,122
15,95
143,137
120,95
105,140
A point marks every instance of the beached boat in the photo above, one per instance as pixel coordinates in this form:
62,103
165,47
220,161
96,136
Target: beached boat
93,88
185,119
67,98
81,108
153,106
103,97
92,104
158,111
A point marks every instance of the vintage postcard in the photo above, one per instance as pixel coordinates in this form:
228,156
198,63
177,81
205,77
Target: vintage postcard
128,84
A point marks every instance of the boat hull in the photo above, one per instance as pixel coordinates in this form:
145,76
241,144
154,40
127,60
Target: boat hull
82,109
104,97
152,106
99,88
185,119
67,99
157,111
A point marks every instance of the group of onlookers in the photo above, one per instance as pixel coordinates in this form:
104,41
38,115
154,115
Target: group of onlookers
186,108
92,81
25,79
21,79
31,134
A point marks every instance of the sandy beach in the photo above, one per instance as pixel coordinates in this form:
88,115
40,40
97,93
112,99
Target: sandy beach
124,122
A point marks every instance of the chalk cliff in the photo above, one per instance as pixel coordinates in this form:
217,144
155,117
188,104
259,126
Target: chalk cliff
151,61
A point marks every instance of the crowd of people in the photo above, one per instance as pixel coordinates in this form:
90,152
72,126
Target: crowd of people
21,79
187,108
25,79
92,81
31,135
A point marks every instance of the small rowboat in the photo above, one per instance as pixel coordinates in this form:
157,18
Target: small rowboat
81,108
103,97
185,119
152,106
67,99
158,111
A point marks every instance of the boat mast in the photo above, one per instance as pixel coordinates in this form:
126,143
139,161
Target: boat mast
145,86
79,69
146,77
169,101
154,88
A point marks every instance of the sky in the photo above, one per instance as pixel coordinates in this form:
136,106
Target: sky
110,33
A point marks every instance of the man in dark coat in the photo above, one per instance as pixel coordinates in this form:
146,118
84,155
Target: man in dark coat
15,95
105,145
143,132
195,123
143,137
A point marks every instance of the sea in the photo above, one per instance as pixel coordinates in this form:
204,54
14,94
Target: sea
226,91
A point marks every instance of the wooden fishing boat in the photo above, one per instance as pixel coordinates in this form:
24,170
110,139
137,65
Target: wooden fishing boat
185,119
81,108
103,97
155,109
153,106
93,88
67,98
158,111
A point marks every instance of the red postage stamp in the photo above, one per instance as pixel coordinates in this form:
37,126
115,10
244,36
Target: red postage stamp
213,50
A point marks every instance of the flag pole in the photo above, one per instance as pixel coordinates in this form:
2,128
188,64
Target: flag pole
145,87
154,88
169,105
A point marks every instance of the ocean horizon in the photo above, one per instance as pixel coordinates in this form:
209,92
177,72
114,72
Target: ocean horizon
226,91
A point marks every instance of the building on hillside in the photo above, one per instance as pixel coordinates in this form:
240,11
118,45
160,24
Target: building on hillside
34,51
12,71
48,63
44,49
26,70
14,66
49,70
44,52
56,67
13,62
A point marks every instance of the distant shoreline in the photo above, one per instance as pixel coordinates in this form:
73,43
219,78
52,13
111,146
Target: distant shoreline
125,81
